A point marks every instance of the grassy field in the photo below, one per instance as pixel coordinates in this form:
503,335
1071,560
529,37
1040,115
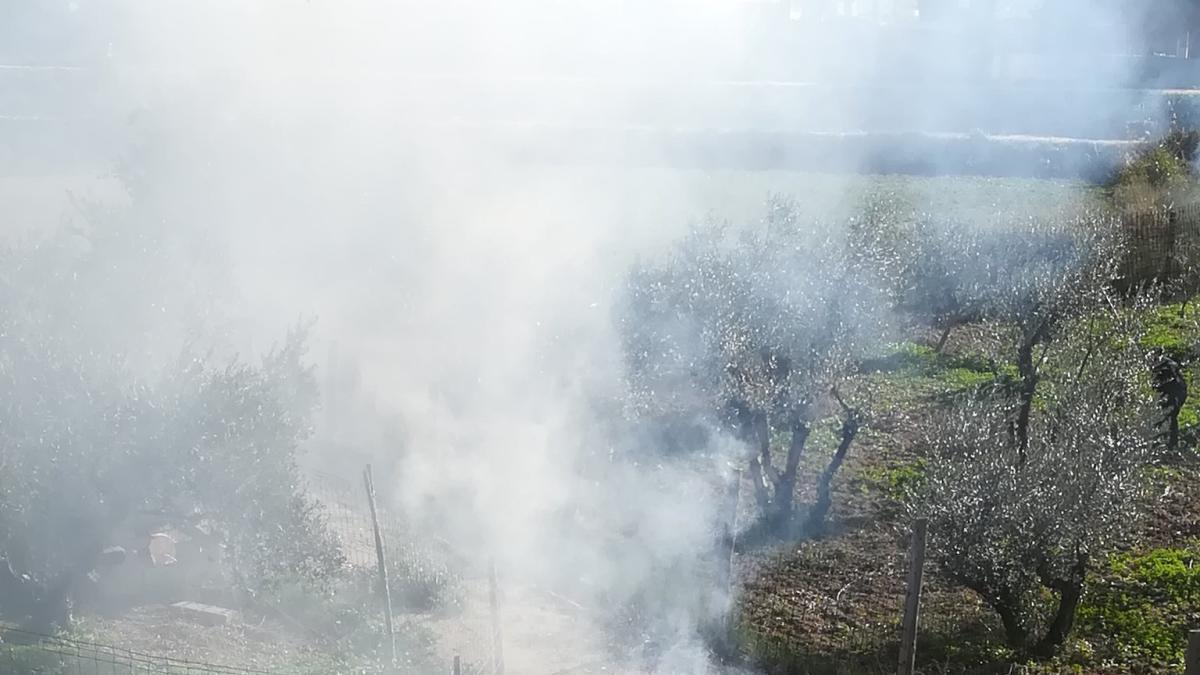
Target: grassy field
671,195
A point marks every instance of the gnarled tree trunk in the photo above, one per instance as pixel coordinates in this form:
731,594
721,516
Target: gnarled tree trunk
1070,592
760,460
785,487
1029,379
1016,631
1028,370
820,509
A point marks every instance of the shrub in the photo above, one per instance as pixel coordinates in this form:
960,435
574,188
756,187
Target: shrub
1158,174
1028,486
100,427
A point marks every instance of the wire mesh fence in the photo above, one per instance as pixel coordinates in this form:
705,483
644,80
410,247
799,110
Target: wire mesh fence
1163,244
423,571
834,608
26,653
424,575
821,611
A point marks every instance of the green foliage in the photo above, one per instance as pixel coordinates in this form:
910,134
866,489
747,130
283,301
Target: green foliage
898,483
1158,174
116,406
1155,167
1177,334
1174,331
967,379
951,373
905,357
1173,573
1145,604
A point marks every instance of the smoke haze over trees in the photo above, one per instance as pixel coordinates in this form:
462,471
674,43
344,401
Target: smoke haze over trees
484,208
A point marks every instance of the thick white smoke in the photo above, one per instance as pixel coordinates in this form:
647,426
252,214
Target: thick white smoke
361,162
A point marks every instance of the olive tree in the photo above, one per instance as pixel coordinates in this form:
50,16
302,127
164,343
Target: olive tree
1029,485
934,274
1020,283
751,329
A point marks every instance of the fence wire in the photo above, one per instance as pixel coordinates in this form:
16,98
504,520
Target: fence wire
1163,244
425,573
818,611
24,653
421,569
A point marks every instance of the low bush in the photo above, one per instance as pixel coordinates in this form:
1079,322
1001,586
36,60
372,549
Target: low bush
1158,174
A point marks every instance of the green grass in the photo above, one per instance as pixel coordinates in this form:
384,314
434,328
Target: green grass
969,199
1144,602
897,482
914,373
1158,174
1176,334
653,201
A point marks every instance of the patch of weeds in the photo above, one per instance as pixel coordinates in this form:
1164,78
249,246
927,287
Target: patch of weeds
1178,336
897,483
965,379
1174,332
906,356
944,374
422,583
900,391
1162,474
1189,417
1172,573
1144,605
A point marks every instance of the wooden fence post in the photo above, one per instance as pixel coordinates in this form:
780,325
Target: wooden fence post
493,600
381,556
456,669
733,497
1191,662
912,601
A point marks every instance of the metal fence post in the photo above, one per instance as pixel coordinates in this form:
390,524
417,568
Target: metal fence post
912,601
1192,660
733,495
382,557
493,600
